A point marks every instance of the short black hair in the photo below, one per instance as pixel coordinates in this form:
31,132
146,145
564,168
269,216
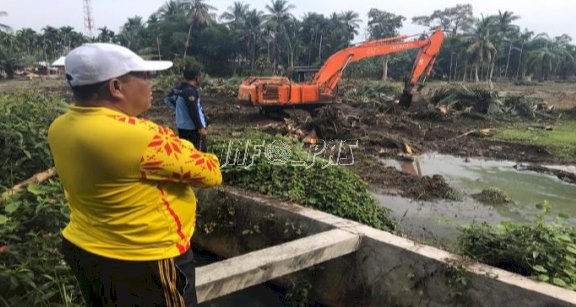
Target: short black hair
191,72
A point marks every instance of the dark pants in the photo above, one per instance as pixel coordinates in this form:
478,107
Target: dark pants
199,141
110,282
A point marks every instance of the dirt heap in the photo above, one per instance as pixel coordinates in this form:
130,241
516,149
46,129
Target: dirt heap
337,122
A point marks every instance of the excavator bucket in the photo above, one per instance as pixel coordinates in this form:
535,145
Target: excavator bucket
405,100
406,97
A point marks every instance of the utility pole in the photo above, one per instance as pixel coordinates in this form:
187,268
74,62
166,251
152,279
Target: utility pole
88,20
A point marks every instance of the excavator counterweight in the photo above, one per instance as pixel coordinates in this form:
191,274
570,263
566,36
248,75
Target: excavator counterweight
280,92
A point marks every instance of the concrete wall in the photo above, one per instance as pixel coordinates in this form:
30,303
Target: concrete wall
387,270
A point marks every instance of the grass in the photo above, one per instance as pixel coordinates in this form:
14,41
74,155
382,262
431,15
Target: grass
561,140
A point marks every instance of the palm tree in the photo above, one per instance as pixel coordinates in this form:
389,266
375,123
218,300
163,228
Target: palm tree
565,51
252,30
106,35
277,19
51,41
505,32
66,34
504,22
547,56
169,10
314,26
352,21
132,33
3,27
28,39
236,13
482,50
198,15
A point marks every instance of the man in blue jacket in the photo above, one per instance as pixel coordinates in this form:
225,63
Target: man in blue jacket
190,119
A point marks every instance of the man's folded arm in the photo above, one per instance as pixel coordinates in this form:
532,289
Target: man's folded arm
168,158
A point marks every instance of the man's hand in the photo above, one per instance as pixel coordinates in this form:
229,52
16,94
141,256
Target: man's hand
203,132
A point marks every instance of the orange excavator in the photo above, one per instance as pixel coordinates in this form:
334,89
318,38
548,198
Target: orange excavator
281,92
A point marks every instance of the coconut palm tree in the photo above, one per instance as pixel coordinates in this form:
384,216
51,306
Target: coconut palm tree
198,14
29,40
352,21
276,20
105,35
252,31
132,33
547,56
66,34
170,10
481,50
235,13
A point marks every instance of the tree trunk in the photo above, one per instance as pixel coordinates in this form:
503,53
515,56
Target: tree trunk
465,70
519,62
456,69
492,66
253,55
508,61
158,44
476,79
450,70
385,68
187,40
320,51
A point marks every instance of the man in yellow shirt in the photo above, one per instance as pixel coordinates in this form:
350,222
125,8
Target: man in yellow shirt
128,182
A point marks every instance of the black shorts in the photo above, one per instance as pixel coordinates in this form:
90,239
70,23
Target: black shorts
110,282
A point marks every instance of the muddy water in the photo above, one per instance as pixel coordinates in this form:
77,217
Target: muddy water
439,220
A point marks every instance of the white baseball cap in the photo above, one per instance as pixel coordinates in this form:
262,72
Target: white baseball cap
98,62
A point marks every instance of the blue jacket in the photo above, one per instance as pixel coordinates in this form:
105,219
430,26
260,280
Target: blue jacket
185,100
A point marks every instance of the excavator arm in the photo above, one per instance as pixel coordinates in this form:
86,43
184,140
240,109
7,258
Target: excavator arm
331,72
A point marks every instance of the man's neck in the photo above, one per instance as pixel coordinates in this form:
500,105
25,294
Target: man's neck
101,104
192,82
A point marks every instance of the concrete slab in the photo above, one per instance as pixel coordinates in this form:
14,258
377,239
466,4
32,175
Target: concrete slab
257,267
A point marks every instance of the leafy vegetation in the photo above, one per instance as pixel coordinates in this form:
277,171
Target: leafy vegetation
32,272
373,93
546,252
561,140
24,121
279,166
488,102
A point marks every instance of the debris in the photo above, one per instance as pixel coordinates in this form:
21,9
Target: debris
562,175
486,132
464,100
493,196
408,149
543,127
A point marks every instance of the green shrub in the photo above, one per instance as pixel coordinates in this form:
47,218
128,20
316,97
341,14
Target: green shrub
330,188
32,272
544,252
24,122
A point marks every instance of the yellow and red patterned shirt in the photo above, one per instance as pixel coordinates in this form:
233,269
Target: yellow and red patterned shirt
128,182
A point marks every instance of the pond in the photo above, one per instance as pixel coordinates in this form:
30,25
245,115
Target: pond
439,220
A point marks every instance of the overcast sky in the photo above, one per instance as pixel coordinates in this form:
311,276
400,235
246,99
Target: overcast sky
554,17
